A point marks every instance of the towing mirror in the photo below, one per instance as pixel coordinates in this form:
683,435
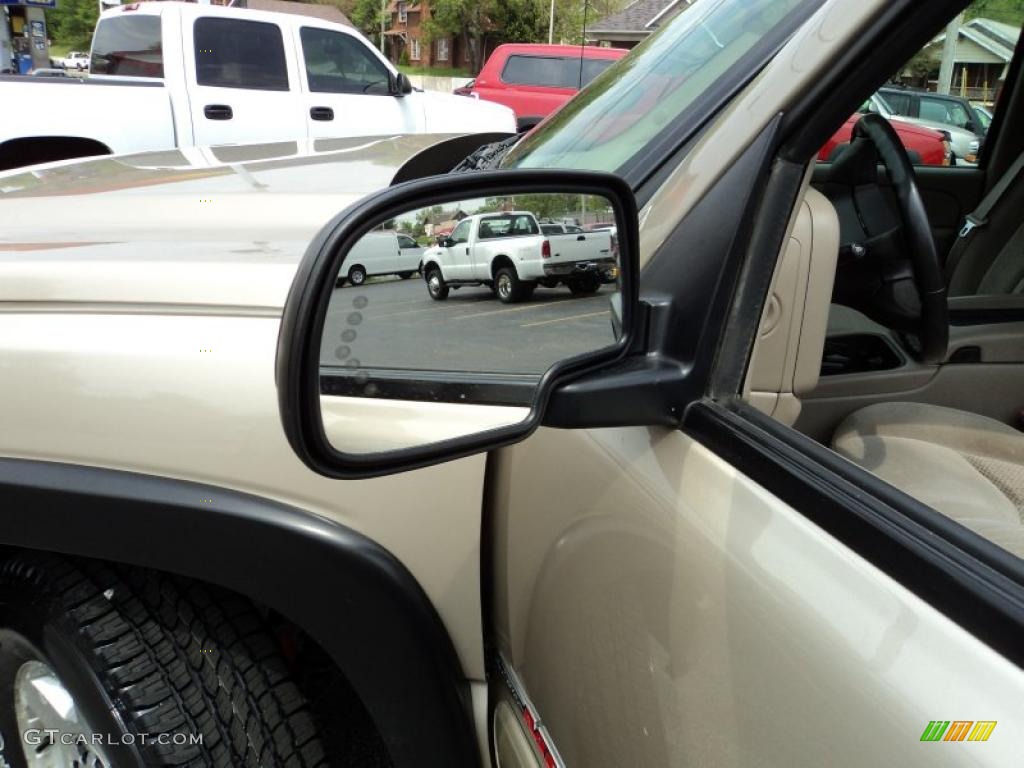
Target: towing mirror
387,362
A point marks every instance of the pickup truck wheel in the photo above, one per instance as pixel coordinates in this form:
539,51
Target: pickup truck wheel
143,669
357,275
584,285
436,286
509,288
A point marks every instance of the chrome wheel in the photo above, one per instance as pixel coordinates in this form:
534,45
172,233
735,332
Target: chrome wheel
504,286
41,704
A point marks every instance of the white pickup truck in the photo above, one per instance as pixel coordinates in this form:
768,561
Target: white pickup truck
171,74
509,253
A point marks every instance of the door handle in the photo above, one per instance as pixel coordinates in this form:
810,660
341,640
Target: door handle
467,251
218,112
321,113
580,237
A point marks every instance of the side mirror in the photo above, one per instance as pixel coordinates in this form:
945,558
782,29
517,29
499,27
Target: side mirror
365,390
446,242
400,84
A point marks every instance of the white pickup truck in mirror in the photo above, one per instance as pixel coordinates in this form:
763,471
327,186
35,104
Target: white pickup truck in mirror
401,368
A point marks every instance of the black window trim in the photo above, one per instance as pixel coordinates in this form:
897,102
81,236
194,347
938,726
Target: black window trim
284,55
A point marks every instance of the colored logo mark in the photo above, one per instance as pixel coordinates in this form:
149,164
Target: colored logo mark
958,730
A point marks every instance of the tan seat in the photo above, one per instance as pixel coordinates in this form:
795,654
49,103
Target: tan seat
968,467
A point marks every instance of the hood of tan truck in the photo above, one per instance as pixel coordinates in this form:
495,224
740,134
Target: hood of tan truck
220,227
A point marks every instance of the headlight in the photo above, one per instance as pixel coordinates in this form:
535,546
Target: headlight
975,146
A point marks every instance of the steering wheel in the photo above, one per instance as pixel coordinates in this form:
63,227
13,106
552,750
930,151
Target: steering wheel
927,304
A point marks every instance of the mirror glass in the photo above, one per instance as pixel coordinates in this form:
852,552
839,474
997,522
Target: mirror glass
444,318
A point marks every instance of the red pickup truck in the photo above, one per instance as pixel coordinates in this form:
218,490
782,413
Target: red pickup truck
535,79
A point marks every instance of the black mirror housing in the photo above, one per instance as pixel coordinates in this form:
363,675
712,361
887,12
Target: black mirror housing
298,365
400,84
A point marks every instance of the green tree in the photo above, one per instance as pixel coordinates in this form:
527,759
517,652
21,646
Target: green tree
72,22
366,15
1006,11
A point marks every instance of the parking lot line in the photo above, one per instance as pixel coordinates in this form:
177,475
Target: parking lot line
563,319
522,307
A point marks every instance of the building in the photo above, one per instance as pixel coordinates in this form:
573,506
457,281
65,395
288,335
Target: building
24,41
406,40
982,57
634,23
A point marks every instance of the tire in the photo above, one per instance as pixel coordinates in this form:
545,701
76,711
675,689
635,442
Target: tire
584,285
357,275
436,286
145,653
405,275
509,288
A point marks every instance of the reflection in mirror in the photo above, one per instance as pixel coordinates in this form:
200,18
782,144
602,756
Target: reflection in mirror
444,318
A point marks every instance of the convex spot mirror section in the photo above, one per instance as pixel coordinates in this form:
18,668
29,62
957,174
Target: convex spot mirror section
520,281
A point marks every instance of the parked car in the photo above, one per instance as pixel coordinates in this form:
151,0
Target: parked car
74,60
508,252
925,146
964,144
379,253
535,79
48,72
182,74
754,528
946,109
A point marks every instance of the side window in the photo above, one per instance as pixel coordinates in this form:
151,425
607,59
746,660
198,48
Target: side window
339,63
900,102
461,233
128,46
404,241
594,67
231,53
535,70
524,225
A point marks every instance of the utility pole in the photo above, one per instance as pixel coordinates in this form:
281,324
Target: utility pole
949,54
383,13
551,24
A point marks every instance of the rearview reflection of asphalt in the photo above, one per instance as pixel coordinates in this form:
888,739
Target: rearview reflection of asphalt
395,324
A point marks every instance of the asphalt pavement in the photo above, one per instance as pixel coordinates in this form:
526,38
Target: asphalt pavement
393,323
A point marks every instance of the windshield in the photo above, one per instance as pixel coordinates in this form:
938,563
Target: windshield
653,88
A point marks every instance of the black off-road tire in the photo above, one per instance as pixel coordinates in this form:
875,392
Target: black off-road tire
436,286
148,653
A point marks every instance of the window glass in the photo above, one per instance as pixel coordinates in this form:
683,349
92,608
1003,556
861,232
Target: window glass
461,233
941,111
899,102
128,46
232,53
404,241
339,63
508,225
551,229
665,81
551,71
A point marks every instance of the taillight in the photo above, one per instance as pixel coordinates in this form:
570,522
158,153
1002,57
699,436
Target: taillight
947,153
545,250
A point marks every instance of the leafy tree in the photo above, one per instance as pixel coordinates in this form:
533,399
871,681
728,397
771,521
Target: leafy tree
72,22
1006,11
366,16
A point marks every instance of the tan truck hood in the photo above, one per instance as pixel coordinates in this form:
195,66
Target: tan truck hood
218,228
